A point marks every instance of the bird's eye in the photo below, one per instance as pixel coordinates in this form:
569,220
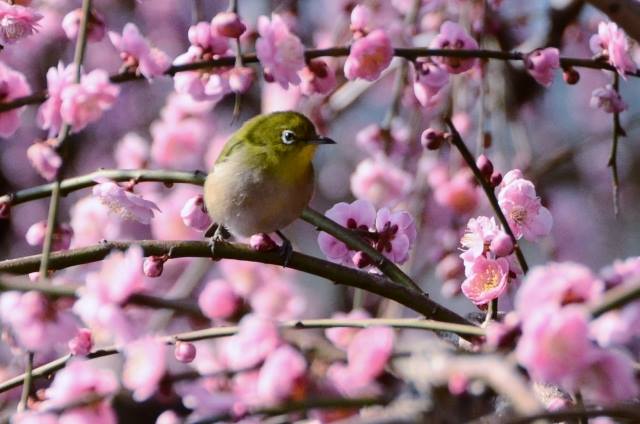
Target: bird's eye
288,136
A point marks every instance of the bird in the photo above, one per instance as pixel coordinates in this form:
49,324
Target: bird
263,178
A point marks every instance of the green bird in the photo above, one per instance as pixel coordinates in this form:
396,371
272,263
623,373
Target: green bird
263,178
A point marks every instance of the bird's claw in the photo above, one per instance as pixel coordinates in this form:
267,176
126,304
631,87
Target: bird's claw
216,234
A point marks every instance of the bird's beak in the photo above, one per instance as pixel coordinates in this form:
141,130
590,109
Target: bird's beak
321,140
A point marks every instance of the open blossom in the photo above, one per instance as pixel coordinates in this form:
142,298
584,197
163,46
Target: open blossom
430,78
92,221
524,211
279,374
341,336
612,42
123,202
280,52
453,37
218,300
17,22
396,234
44,159
85,102
12,85
61,239
380,182
178,144
131,152
542,63
277,299
58,79
317,77
194,214
96,28
256,338
607,99
369,56
369,351
488,280
458,193
144,367
137,54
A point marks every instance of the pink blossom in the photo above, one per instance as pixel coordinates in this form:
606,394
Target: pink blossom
241,78
119,277
37,322
611,42
13,84
453,37
622,270
44,159
144,367
317,77
524,211
542,63
228,24
262,242
487,280
85,102
124,203
380,182
17,22
361,17
554,344
277,299
256,339
617,327
168,417
82,343
61,239
185,352
608,99
178,144
348,383
58,79
280,52
430,78
131,152
154,265
556,284
96,28
204,37
394,143
204,85
218,300
279,374
458,193
396,234
369,352
369,56
194,214
92,221
359,215
169,225
137,54
501,245
341,336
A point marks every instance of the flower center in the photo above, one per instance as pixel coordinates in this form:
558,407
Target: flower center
518,214
490,278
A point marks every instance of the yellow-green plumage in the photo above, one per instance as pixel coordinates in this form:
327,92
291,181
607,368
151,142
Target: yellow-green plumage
261,182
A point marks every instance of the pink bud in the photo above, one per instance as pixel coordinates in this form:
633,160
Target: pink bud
228,24
82,343
153,266
496,179
360,18
185,352
501,245
194,214
44,159
571,76
5,210
361,260
262,242
432,139
61,236
485,166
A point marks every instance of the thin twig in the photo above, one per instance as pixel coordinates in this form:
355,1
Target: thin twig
613,155
26,387
617,298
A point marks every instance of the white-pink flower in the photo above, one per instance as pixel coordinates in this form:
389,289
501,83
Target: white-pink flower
369,56
524,211
380,182
256,339
542,63
13,84
123,202
607,99
280,52
487,280
44,159
137,54
131,152
611,42
194,214
96,28
218,299
82,343
178,144
279,373
317,77
396,234
144,367
369,352
341,336
453,37
58,78
17,22
430,78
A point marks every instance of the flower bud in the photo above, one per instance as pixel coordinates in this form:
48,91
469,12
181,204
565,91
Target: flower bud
61,236
44,159
262,243
496,179
5,210
153,266
228,24
501,245
194,214
185,352
96,28
485,166
361,260
432,139
82,343
571,76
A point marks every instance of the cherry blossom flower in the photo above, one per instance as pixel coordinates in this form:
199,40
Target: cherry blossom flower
458,193
185,352
453,37
61,239
542,63
241,78
554,344
280,52
137,54
85,102
123,202
380,182
317,77
194,214
369,351
611,42
341,336
144,367
131,152
277,299
218,300
82,343
17,22
279,374
13,84
178,144
228,24
429,79
524,211
255,340
44,159
607,99
92,221
369,56
96,28
396,234
58,79
487,280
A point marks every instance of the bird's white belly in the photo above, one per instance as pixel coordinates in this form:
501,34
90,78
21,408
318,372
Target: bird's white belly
246,203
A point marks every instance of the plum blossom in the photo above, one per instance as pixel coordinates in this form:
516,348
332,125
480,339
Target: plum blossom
277,299
317,77
279,374
131,152
361,17
218,300
44,158
13,84
524,211
369,56
241,78
194,214
396,234
256,339
501,245
542,63
280,52
92,221
621,270
96,28
58,79
341,336
61,239
380,182
144,367
453,37
178,144
430,78
608,99
123,202
137,54
611,42
82,343
17,22
617,327
487,280
228,24
458,193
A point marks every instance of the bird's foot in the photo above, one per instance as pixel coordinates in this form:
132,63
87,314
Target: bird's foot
286,250
216,234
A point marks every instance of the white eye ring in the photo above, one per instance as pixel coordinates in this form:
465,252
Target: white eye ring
288,137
